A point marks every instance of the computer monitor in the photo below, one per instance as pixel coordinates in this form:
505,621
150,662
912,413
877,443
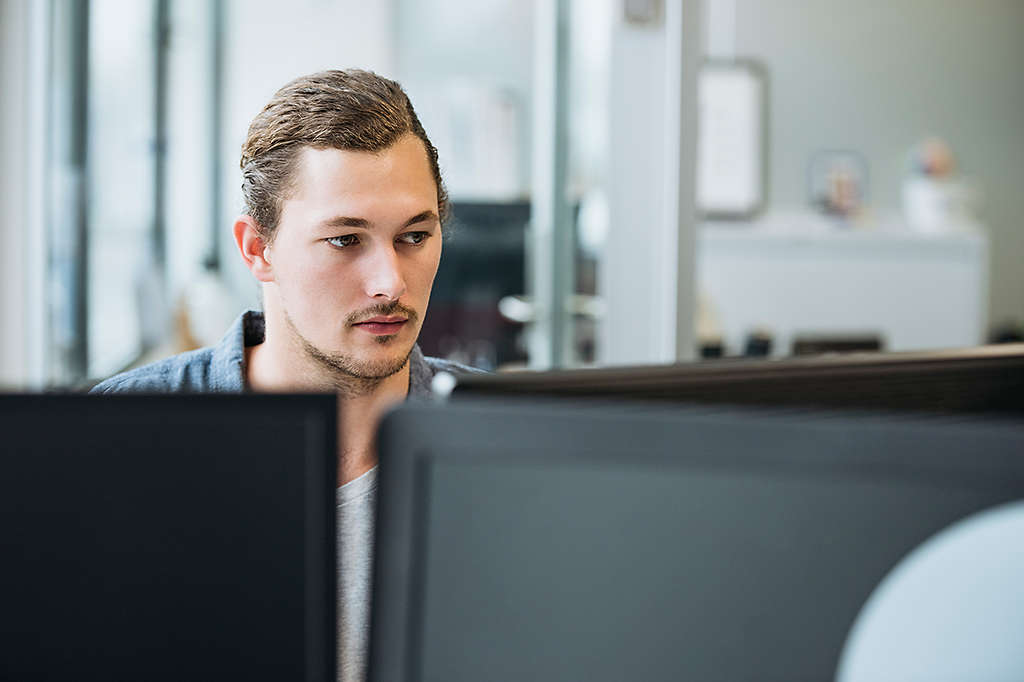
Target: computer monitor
167,538
983,379
522,541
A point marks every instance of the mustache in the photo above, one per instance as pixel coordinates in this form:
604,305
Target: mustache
392,308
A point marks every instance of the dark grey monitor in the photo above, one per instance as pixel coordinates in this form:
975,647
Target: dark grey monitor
167,537
624,542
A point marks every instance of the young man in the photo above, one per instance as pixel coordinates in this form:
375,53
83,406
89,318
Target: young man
343,228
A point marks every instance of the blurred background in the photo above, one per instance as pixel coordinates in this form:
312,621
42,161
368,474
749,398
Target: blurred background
633,181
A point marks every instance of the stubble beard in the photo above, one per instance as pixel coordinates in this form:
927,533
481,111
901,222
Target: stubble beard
348,374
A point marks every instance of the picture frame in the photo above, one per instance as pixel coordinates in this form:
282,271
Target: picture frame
732,141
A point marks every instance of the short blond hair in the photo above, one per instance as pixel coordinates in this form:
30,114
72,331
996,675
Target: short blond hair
351,109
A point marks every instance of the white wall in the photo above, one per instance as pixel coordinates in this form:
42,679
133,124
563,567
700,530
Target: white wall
646,275
270,43
878,77
468,68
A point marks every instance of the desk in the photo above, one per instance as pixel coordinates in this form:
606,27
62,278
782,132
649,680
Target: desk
800,275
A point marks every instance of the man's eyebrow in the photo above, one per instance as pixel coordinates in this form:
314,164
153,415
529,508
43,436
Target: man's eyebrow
347,221
423,217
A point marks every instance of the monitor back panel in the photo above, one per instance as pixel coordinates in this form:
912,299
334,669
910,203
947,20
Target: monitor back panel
553,543
167,537
987,379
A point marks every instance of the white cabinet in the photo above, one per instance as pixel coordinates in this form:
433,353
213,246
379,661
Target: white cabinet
803,276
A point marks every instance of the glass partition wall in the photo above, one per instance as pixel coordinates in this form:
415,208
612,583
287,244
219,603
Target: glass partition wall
104,242
110,190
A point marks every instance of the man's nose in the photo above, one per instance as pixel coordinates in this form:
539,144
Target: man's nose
384,278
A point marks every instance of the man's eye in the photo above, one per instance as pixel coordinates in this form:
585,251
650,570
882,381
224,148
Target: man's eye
413,237
343,241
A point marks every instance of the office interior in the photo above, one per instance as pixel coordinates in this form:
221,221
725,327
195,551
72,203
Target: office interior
634,182
870,171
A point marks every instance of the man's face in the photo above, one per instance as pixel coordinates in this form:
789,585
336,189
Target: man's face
355,254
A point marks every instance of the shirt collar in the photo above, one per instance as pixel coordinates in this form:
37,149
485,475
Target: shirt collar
420,374
227,366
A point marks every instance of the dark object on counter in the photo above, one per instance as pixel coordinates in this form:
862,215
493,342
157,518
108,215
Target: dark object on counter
817,344
758,345
1007,332
712,349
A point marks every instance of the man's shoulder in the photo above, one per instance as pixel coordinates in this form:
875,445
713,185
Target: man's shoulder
424,369
185,372
439,365
214,369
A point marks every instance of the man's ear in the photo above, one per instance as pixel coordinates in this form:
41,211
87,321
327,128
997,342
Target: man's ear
253,248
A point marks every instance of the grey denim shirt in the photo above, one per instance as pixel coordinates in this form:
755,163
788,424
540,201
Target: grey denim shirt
221,368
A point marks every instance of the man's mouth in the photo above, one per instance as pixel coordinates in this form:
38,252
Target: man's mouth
382,325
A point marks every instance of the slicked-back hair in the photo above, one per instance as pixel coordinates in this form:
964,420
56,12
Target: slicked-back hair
350,110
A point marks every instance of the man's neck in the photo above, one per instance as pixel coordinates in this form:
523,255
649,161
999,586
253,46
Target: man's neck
358,418
277,366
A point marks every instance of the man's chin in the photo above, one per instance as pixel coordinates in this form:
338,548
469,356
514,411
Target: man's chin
386,340
374,364
364,359
379,368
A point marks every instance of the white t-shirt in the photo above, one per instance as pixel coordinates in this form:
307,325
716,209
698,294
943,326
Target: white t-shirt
356,509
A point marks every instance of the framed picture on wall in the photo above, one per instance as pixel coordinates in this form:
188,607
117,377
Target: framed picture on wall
732,139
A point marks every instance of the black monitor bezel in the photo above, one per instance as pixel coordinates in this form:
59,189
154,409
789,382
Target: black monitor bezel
319,415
